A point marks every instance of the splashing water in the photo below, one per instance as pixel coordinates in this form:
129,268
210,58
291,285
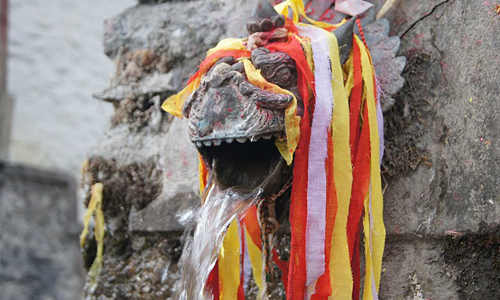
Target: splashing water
201,250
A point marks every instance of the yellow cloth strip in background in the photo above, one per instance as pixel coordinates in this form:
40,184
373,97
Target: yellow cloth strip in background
383,10
348,69
201,174
229,263
292,121
255,255
340,266
95,207
377,235
368,292
298,10
305,42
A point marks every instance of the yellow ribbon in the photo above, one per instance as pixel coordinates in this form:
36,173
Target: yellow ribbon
229,263
298,10
174,103
374,236
95,207
255,255
340,266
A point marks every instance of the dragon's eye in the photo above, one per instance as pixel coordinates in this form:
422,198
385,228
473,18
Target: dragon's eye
284,75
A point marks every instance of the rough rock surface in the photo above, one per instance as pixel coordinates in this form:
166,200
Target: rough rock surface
441,166
146,162
449,105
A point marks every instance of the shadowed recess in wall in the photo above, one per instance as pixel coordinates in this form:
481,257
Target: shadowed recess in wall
476,256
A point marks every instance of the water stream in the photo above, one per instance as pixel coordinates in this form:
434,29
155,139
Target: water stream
201,249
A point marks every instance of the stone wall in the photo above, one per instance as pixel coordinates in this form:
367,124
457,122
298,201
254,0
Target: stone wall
440,169
39,251
146,162
442,214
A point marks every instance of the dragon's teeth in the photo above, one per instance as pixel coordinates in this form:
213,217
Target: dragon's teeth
242,140
254,138
229,141
207,143
199,144
267,136
217,142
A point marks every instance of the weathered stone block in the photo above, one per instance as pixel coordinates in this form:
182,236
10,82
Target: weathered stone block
180,192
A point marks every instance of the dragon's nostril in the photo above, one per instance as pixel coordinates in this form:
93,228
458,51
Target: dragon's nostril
279,21
253,27
266,25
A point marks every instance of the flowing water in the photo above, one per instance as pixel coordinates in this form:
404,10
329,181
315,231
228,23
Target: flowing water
201,249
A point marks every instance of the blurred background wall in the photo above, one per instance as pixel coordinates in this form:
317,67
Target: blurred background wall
51,61
55,63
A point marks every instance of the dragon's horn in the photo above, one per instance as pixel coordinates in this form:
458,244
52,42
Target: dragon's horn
264,17
262,9
344,38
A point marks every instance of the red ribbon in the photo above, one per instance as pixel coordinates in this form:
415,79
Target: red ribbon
213,281
210,60
241,290
360,157
298,201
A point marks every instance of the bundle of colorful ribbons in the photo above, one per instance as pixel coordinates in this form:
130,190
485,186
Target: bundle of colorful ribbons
336,149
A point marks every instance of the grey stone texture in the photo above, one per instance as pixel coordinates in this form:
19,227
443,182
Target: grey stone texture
157,47
450,105
388,66
39,251
441,169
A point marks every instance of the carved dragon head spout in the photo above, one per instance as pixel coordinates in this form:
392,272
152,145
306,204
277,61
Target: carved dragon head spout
234,123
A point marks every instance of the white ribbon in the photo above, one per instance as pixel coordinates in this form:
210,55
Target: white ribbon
352,7
318,152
